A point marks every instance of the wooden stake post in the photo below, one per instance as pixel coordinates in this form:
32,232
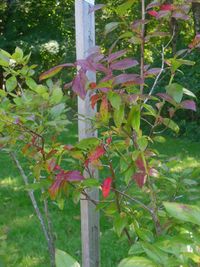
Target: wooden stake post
85,39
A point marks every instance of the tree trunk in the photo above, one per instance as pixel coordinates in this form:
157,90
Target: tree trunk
196,17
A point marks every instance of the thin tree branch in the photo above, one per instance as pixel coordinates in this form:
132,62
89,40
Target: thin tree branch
34,203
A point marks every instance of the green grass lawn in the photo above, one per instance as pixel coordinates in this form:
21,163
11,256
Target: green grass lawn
21,238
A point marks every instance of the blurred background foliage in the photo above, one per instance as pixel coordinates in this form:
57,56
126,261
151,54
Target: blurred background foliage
46,28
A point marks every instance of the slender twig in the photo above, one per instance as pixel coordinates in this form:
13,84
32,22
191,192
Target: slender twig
134,200
34,203
162,66
50,231
157,77
142,47
117,197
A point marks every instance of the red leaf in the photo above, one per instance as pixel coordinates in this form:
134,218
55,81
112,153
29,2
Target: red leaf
124,64
167,7
106,187
53,71
104,108
195,42
152,13
55,187
109,140
93,85
68,147
93,100
140,164
189,104
61,178
51,164
97,153
140,178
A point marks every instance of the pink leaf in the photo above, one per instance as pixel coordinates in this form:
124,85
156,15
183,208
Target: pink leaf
153,4
124,64
95,8
166,97
104,89
153,71
101,67
152,13
79,84
116,55
74,176
163,13
140,178
189,104
106,187
85,64
128,78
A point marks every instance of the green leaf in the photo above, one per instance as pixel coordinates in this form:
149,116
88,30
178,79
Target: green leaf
150,109
111,27
57,95
189,93
134,118
114,99
91,182
175,90
18,55
120,223
183,212
121,10
11,83
159,139
88,143
136,262
31,83
145,234
118,116
4,58
171,124
63,259
136,249
154,253
176,63
142,143
57,110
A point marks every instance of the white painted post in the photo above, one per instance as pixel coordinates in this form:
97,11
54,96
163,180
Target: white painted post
85,39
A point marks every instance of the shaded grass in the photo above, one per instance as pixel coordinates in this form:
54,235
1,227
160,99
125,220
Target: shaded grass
21,238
